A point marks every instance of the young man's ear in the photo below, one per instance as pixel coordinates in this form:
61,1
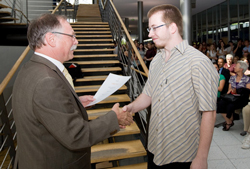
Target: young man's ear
173,28
50,39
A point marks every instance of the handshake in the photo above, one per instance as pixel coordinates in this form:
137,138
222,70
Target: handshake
124,117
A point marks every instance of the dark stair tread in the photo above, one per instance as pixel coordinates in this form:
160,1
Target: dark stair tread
97,29
90,32
95,62
101,44
93,50
93,36
89,23
102,69
94,56
92,88
94,40
91,78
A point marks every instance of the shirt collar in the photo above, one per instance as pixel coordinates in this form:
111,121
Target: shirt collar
58,64
181,47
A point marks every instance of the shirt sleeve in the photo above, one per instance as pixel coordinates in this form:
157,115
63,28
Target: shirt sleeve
231,80
205,81
222,77
148,87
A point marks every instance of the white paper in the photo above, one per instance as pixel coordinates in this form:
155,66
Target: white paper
110,85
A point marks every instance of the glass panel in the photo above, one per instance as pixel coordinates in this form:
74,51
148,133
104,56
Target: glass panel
233,11
223,13
243,5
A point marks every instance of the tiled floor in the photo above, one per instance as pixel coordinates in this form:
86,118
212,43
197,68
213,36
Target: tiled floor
225,151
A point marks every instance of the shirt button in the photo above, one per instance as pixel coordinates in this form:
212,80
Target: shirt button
161,85
159,100
157,114
156,129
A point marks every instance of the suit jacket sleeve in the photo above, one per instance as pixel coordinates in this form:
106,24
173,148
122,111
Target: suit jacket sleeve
56,111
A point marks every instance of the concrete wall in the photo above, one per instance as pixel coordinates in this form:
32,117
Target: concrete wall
8,57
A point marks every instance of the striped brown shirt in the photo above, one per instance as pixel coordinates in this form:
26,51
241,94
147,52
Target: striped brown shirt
180,88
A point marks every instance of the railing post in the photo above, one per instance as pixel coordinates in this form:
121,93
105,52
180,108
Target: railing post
65,6
13,8
27,10
6,130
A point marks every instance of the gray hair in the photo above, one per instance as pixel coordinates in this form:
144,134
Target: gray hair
40,26
229,56
243,65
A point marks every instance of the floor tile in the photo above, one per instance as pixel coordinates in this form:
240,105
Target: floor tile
220,164
215,153
241,163
235,152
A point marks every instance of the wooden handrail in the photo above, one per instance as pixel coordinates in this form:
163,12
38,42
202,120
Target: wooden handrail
18,62
130,40
21,13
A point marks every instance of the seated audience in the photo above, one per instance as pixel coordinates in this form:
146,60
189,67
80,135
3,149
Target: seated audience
225,73
211,54
221,81
239,48
246,119
235,59
246,49
230,65
221,51
230,48
149,54
236,82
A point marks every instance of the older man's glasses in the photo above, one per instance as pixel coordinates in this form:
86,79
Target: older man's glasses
154,28
72,36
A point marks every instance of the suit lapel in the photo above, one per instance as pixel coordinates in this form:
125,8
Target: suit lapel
39,59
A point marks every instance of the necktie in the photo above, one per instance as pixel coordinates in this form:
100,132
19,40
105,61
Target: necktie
68,77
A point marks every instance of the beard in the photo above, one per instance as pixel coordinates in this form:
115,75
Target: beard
73,47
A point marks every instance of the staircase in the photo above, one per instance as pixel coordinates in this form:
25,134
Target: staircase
5,15
95,56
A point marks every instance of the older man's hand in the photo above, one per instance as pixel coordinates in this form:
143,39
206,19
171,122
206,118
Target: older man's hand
124,118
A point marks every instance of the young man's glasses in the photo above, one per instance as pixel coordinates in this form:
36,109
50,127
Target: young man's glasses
154,28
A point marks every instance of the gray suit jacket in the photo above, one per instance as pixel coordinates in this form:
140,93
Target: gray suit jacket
53,131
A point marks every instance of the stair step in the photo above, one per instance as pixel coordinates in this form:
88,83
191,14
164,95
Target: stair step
94,40
89,23
95,56
115,151
90,32
133,166
7,19
92,88
4,13
94,36
116,99
92,26
3,6
129,130
94,50
102,44
101,69
95,62
91,78
97,29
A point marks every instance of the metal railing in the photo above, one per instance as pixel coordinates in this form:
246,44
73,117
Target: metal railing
16,7
7,124
132,62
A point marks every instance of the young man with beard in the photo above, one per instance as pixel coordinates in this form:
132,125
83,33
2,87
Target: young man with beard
182,84
51,121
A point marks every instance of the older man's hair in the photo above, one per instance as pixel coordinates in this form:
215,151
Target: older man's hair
243,65
40,26
171,14
229,56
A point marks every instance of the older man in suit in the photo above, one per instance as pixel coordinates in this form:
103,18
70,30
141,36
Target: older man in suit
52,123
